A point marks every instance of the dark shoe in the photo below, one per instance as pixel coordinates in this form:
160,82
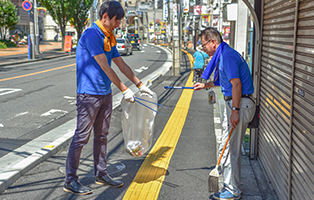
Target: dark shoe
76,187
107,180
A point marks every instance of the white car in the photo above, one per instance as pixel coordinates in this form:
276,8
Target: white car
124,47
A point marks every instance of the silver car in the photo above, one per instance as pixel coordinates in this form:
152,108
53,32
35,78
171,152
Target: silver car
124,47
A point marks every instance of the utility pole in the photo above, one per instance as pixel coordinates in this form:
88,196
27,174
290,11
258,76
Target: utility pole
155,5
31,33
138,18
194,34
123,20
180,29
176,39
168,25
36,25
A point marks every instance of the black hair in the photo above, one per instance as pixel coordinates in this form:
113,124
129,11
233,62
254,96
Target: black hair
211,33
112,8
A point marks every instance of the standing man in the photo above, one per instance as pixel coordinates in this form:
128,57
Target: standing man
200,58
233,75
96,48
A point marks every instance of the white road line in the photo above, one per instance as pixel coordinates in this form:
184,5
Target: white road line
20,114
68,97
141,69
1,125
50,112
9,91
158,51
71,100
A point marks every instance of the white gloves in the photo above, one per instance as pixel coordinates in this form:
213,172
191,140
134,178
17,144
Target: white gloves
145,89
128,95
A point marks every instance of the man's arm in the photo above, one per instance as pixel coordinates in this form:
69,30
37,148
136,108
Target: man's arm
236,98
101,59
127,71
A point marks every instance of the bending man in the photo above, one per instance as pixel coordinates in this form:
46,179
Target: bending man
233,75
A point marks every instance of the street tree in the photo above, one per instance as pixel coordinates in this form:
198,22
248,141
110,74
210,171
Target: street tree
60,13
8,17
79,15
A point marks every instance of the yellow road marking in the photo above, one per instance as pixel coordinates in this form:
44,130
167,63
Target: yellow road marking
31,74
149,178
190,57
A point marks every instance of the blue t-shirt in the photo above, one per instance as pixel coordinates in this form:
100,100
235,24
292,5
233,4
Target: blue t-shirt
232,65
90,78
199,59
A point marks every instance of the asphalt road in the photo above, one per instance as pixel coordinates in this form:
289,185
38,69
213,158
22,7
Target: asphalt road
37,97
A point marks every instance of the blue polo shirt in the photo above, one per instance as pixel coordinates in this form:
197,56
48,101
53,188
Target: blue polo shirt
90,78
232,65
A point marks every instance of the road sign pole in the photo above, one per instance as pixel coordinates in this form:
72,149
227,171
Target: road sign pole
27,6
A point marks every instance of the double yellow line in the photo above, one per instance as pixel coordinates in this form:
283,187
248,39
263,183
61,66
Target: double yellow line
149,178
35,73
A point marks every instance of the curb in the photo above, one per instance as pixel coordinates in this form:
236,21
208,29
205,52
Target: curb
13,173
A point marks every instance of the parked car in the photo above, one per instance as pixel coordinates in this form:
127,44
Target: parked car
124,47
134,40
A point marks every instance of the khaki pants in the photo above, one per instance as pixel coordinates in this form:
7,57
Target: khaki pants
231,160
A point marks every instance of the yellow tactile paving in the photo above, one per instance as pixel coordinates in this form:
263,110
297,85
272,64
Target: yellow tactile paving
150,176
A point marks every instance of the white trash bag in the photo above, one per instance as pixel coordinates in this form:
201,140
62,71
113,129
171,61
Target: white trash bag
138,124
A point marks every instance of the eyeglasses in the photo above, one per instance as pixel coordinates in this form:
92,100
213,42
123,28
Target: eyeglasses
206,43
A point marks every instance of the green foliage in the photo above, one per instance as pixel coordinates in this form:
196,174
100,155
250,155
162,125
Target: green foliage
59,11
247,138
79,14
3,45
8,43
8,15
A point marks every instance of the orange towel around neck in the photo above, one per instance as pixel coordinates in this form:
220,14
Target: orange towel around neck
110,39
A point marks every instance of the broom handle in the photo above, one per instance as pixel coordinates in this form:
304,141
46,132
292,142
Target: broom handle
223,150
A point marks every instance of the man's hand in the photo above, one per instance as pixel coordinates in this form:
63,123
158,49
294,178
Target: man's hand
234,118
145,89
199,86
128,95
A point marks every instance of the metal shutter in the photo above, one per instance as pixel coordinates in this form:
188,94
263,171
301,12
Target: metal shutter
275,92
302,174
287,75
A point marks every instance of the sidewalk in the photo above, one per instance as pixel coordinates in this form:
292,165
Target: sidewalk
19,55
255,184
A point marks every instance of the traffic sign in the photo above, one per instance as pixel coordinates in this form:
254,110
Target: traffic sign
27,5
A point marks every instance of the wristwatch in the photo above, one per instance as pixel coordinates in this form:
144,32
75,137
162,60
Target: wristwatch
234,108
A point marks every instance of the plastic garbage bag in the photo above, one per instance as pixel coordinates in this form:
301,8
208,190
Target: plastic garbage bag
138,124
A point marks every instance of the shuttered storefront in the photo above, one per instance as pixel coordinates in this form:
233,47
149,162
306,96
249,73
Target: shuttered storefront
287,89
303,106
